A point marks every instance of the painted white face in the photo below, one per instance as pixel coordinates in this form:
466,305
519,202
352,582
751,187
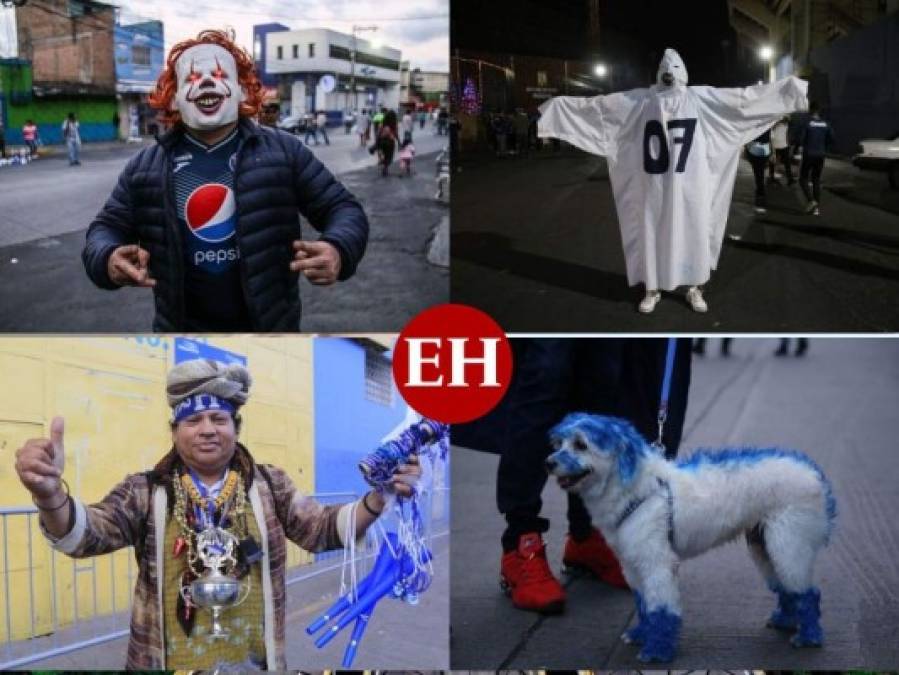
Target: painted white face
208,93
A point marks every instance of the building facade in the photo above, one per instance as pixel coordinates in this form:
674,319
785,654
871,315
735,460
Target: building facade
139,56
317,69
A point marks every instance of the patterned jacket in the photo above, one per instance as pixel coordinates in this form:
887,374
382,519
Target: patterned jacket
130,515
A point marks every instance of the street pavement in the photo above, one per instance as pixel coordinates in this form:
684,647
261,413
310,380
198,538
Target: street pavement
536,244
47,206
838,405
399,636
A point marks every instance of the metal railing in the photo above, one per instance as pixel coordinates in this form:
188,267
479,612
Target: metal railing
62,621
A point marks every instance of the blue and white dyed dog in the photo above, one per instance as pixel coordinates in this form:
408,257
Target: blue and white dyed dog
654,513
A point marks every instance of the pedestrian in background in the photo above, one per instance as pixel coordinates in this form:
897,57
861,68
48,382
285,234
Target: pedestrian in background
364,128
407,154
784,348
348,119
816,137
311,130
321,125
72,137
521,123
2,142
269,113
386,141
422,118
758,152
29,135
781,152
408,124
442,122
116,121
377,120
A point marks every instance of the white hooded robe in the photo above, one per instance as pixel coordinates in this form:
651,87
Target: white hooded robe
672,153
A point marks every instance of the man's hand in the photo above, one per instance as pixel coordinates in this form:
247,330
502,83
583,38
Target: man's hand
40,463
129,266
319,261
405,477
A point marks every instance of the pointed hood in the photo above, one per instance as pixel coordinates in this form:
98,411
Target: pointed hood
674,64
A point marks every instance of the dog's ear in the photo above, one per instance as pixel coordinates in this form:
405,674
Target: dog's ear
630,451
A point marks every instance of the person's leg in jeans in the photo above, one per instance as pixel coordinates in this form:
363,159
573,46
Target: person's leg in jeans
325,135
784,155
537,398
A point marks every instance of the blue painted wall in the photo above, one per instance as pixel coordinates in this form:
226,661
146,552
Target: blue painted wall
259,33
138,76
347,426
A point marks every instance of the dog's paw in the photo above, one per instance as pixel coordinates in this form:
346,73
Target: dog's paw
813,637
780,621
656,653
635,635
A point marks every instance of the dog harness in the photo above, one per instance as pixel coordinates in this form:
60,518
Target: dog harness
637,503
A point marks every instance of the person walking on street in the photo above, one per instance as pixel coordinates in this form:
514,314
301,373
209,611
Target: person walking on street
321,125
29,135
72,138
116,121
348,119
422,118
408,124
311,129
2,142
386,141
377,120
758,152
815,139
442,122
522,142
781,154
364,128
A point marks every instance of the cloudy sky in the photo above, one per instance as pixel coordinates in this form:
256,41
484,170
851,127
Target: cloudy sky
420,30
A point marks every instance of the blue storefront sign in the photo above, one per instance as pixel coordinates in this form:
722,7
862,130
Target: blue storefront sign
187,349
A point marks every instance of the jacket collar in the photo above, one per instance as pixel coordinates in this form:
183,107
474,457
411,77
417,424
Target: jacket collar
246,129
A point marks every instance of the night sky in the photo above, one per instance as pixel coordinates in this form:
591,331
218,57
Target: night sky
633,36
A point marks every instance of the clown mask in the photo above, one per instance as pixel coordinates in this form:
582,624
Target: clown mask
208,93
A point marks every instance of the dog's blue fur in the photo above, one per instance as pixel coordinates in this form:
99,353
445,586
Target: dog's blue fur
735,457
657,631
660,636
608,434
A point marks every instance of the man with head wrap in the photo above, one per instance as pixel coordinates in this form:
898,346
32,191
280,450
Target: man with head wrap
208,217
207,480
673,152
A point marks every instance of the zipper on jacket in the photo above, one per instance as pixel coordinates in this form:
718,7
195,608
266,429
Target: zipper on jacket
244,271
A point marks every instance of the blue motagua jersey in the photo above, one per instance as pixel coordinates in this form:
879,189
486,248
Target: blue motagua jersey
673,152
204,195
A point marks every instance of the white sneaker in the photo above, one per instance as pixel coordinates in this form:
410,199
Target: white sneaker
816,212
694,297
812,207
648,303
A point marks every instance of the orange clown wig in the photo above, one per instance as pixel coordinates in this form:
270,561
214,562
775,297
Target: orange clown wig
163,96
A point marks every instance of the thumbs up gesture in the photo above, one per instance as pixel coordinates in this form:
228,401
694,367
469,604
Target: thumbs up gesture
40,463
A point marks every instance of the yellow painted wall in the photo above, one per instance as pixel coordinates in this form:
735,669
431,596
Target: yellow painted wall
111,392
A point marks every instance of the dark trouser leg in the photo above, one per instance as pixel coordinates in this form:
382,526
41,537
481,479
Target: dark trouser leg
758,170
804,170
785,157
537,399
817,165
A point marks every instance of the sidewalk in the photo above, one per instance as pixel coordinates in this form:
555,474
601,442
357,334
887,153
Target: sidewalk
385,645
838,405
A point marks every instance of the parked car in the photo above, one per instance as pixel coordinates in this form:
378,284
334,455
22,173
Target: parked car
295,124
880,155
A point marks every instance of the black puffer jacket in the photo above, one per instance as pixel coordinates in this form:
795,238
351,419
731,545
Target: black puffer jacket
275,177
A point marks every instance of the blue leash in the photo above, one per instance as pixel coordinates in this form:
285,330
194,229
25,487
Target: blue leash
666,391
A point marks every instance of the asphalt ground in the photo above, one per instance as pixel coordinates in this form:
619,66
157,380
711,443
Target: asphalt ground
47,206
837,404
536,244
399,636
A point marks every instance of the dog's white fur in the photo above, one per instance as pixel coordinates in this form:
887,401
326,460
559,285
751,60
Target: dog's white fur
780,502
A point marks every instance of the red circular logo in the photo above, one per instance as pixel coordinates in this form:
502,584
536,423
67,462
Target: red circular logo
452,363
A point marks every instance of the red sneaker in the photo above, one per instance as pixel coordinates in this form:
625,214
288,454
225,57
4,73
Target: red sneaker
526,577
594,555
